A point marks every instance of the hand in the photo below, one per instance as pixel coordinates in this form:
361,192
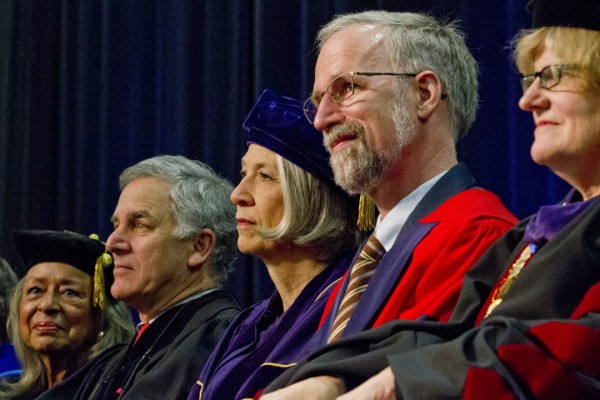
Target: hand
379,387
317,388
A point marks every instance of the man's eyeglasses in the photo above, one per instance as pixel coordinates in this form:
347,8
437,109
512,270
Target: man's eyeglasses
550,76
340,88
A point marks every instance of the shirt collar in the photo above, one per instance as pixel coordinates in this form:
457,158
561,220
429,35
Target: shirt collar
387,230
184,301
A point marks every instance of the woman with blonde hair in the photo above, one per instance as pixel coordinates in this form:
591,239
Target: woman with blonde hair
61,315
292,216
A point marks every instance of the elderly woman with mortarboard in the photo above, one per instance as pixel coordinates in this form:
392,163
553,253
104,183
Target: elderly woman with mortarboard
527,323
292,216
61,315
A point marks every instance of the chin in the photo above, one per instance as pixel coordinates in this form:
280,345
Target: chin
539,155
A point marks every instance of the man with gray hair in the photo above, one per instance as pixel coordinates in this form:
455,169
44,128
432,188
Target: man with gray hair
393,93
173,243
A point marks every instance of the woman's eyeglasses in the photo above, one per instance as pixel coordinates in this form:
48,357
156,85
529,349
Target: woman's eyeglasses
550,76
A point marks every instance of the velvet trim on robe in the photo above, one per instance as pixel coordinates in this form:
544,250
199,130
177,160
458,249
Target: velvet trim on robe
165,361
541,342
9,364
421,275
262,342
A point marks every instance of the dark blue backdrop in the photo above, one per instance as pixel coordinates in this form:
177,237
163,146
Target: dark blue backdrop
88,88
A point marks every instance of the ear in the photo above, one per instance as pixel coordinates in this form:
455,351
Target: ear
204,244
430,93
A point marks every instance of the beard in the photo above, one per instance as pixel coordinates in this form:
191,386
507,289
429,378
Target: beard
357,168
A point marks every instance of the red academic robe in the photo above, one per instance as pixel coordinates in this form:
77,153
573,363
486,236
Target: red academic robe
421,275
542,341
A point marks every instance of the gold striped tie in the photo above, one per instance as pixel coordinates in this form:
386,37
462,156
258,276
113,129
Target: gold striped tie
362,271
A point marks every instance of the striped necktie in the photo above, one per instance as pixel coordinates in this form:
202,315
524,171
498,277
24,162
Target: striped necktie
360,275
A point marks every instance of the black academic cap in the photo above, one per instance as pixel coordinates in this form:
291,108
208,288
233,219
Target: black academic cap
573,13
87,254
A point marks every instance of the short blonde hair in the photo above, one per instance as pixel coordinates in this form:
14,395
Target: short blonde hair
314,214
585,53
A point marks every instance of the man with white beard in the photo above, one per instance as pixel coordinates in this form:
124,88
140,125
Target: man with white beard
393,93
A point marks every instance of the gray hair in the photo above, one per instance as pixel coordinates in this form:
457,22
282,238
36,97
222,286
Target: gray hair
199,200
8,279
417,42
314,214
113,325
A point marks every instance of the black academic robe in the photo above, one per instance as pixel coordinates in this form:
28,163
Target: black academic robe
542,341
165,361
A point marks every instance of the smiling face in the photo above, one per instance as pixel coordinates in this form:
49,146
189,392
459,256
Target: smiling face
567,125
366,133
259,201
55,312
151,266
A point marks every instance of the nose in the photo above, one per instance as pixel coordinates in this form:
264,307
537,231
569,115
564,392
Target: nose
328,114
116,242
241,195
49,303
533,98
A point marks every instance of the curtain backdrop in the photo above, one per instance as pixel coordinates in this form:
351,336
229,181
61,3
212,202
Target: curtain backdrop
88,88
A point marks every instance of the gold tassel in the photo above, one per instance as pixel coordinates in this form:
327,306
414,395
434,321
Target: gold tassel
366,213
103,261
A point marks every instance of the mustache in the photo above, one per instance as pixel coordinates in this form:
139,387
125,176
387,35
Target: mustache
346,129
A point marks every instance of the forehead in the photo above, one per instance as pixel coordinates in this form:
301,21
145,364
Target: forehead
356,48
259,155
56,271
544,58
150,195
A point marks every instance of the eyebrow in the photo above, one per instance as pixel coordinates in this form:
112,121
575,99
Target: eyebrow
137,214
62,281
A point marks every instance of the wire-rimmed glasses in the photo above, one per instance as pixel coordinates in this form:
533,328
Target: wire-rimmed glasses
340,88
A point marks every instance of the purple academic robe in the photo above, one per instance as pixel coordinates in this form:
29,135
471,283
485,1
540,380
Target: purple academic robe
262,342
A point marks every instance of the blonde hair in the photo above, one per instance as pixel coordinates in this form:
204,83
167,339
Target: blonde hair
113,325
314,214
572,45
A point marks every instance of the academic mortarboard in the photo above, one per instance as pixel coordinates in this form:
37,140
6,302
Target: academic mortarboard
573,13
87,254
278,124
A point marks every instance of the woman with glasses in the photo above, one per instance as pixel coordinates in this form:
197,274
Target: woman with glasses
527,323
292,216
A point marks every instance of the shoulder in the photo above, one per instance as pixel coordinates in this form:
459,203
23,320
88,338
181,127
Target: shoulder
217,304
86,376
203,321
474,204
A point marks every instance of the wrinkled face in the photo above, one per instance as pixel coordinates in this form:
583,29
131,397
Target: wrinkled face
366,133
55,313
259,200
150,264
567,122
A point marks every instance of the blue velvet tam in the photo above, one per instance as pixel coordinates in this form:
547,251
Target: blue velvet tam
572,13
278,124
